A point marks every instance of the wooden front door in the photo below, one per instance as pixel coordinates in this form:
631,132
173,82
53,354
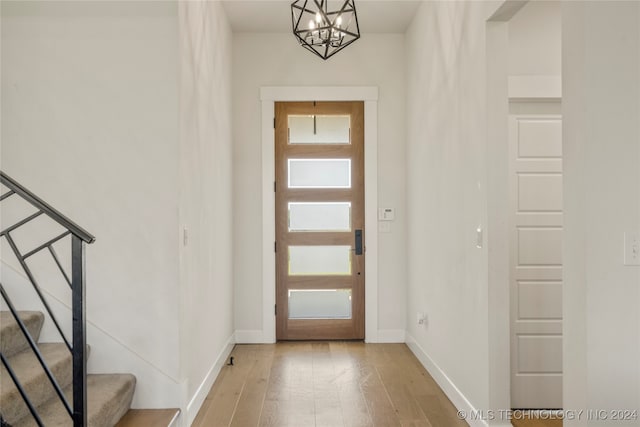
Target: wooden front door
319,220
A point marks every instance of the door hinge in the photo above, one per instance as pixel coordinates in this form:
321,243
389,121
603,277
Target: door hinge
275,309
274,122
275,246
274,186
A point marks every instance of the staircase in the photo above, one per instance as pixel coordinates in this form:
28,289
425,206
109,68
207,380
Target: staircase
109,395
46,384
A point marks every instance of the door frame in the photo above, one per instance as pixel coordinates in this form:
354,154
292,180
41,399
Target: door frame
269,95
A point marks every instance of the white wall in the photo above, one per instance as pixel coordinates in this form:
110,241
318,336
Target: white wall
205,196
601,144
90,123
534,50
534,39
446,197
277,60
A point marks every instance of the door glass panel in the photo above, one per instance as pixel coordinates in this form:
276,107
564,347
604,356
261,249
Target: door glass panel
320,216
319,173
319,260
325,130
320,304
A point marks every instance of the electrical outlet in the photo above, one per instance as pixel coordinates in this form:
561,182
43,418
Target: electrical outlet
631,248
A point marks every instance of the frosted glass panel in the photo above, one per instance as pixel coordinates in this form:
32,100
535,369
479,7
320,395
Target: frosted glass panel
319,173
319,260
320,216
327,130
320,304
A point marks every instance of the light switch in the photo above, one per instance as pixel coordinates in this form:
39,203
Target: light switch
384,227
631,248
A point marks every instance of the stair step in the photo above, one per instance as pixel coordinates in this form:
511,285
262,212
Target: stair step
108,399
33,379
11,339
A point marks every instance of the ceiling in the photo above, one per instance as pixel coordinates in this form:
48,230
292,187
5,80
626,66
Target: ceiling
274,16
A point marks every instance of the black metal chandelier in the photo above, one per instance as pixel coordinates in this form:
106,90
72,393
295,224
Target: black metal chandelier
324,31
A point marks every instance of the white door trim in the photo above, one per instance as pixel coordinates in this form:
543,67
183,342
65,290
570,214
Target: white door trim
268,96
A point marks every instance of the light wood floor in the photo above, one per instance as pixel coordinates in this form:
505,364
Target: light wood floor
322,384
147,418
329,384
524,419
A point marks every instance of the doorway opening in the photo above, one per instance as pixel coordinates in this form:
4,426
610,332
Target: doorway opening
269,97
524,161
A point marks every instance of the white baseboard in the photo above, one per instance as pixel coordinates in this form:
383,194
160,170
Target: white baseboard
391,335
250,336
200,395
445,383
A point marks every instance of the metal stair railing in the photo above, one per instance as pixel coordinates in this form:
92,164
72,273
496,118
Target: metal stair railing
79,237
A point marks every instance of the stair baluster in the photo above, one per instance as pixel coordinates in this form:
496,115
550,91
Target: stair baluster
79,237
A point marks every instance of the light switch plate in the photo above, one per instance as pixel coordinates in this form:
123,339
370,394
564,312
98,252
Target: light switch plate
631,248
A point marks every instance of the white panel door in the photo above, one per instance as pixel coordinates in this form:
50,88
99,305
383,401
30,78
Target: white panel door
535,158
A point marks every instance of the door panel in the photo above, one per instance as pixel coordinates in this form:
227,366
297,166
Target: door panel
320,304
541,192
318,260
323,129
319,211
319,173
322,216
539,137
539,246
535,155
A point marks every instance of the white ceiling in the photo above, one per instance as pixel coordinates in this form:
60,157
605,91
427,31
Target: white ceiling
274,16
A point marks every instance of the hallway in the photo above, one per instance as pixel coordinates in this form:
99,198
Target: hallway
328,384
150,123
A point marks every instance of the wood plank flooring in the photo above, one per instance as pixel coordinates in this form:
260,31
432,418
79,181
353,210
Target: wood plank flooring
524,419
147,418
323,384
326,384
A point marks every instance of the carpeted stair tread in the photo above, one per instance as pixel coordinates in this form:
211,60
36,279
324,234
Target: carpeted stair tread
11,339
33,379
108,399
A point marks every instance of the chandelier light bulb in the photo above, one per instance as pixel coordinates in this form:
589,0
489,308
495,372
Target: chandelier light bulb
318,17
339,20
312,25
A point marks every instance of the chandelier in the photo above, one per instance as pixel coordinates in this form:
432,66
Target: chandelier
324,31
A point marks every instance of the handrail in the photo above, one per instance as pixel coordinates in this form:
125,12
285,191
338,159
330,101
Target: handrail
76,281
45,207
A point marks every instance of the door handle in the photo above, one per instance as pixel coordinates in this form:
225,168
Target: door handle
358,242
